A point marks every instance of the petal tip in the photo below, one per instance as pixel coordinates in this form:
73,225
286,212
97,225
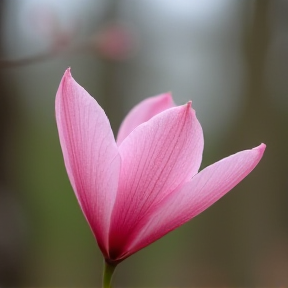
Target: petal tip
68,72
67,78
167,98
189,107
261,148
167,94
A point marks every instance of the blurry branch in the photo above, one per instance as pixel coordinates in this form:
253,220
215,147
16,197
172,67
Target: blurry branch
14,63
112,101
248,132
257,36
45,22
263,123
113,41
11,218
259,122
256,39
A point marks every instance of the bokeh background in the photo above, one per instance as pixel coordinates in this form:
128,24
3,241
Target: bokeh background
230,57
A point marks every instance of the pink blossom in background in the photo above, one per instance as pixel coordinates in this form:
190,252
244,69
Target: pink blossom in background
135,190
110,41
115,42
46,21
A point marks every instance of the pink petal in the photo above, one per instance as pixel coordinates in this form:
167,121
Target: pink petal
195,196
143,112
157,157
90,153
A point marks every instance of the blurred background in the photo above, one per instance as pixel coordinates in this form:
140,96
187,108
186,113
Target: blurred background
230,57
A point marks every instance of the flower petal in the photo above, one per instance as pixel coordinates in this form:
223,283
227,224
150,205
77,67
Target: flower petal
157,157
90,153
195,196
143,112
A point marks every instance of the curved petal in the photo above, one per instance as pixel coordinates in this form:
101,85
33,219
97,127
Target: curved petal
157,157
90,153
195,196
142,112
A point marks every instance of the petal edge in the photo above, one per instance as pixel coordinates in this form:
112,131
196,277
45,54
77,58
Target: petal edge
90,154
203,190
142,112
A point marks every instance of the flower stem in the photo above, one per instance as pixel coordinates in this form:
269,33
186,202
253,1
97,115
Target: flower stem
107,276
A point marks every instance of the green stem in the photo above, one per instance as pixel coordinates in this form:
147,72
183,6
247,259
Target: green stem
107,276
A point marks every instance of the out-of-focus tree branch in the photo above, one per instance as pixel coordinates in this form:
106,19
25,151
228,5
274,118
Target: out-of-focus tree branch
11,256
259,122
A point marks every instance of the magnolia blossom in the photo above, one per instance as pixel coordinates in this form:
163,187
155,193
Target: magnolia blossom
136,189
114,42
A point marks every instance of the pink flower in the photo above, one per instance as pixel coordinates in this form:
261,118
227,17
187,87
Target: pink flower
135,190
115,42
